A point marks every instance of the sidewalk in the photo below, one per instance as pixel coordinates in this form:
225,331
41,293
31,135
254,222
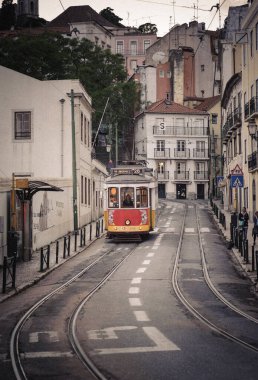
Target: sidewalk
246,267
28,273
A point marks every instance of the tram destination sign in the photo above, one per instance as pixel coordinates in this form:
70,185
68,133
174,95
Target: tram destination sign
129,171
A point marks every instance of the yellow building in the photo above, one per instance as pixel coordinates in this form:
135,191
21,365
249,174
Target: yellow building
250,100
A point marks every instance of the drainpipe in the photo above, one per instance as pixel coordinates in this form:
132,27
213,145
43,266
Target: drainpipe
62,136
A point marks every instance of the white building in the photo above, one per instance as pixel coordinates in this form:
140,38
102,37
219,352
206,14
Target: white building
38,122
174,140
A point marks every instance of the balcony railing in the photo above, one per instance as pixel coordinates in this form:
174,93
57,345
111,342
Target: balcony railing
201,175
251,107
181,176
165,153
252,161
181,153
163,176
200,153
233,121
180,131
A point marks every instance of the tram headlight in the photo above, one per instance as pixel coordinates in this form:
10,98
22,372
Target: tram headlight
111,217
144,216
128,222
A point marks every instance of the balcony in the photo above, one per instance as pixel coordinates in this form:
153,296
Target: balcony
201,153
164,153
163,176
181,153
253,161
181,176
201,176
251,107
180,131
233,121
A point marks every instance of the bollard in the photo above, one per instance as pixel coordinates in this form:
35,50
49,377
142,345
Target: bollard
41,259
64,251
102,225
4,274
252,258
246,253
69,243
256,259
57,251
48,256
90,231
75,242
84,236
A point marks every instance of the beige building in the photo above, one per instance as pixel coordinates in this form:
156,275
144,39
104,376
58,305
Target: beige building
174,140
39,121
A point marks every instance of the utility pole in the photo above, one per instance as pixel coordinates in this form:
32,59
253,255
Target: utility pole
116,145
75,208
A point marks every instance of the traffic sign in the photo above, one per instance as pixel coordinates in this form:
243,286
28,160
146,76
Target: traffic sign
237,170
237,181
220,178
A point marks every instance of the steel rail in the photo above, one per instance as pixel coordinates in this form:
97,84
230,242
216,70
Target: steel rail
190,307
14,341
82,355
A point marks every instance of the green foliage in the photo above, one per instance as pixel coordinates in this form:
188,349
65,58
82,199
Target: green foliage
148,28
51,56
7,15
109,15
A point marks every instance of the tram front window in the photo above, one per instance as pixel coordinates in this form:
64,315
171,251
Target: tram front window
141,197
127,197
113,197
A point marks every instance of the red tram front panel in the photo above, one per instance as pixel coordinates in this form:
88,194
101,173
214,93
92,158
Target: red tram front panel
129,220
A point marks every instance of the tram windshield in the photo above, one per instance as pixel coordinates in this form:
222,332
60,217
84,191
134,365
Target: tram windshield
127,196
141,197
113,197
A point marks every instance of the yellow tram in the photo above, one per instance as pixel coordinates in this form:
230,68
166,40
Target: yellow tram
130,201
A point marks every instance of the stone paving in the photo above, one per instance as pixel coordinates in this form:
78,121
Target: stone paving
29,273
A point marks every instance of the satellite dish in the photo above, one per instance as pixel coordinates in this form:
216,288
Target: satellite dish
160,57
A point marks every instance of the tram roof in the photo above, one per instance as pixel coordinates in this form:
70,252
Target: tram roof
130,179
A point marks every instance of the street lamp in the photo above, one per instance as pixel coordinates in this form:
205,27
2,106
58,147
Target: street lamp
252,129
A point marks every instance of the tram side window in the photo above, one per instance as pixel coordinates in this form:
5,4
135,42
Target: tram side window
141,197
127,197
113,197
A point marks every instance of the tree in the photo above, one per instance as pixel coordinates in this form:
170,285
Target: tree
51,56
7,15
148,28
109,15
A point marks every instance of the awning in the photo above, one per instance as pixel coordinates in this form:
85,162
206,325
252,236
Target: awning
34,187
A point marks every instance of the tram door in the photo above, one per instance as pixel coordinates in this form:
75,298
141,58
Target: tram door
181,191
161,190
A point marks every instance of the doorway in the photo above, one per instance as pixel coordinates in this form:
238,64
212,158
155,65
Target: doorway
200,191
161,190
181,191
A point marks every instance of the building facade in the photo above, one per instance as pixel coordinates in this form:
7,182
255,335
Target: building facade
39,122
174,140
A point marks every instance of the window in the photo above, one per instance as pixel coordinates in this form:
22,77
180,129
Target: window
200,146
161,166
89,192
239,143
133,65
22,126
202,68
141,197
168,74
120,47
85,190
245,151
180,145
85,130
146,44
256,36
113,197
181,167
133,47
82,192
161,74
244,54
160,145
214,118
251,43
81,127
127,197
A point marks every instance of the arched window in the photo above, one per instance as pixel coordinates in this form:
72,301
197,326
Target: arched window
32,7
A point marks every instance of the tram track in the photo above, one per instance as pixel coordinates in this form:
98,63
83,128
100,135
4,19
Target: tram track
193,310
16,356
